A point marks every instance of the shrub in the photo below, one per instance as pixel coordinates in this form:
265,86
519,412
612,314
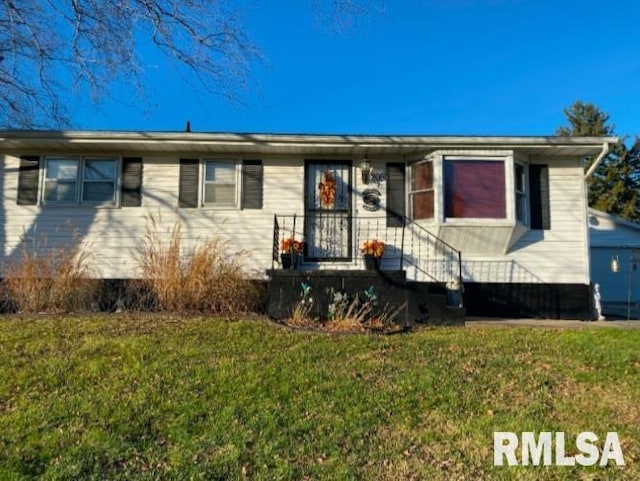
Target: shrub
207,279
361,315
48,279
360,312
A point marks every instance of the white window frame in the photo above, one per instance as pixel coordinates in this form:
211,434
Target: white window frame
506,157
203,183
412,192
80,181
76,180
521,194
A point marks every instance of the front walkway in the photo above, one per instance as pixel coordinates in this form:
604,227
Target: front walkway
496,322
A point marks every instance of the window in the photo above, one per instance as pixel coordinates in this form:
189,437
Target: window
474,189
61,181
220,183
421,193
225,183
520,183
71,180
99,181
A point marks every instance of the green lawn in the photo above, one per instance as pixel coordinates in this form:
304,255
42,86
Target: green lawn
159,398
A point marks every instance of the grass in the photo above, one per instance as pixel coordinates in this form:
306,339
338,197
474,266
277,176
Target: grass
152,397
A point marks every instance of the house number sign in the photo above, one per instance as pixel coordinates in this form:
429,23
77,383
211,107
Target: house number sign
377,176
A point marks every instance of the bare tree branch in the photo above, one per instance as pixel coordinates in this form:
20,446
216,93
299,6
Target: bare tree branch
344,15
51,49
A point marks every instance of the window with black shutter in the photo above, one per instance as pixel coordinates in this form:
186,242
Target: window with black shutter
539,202
252,184
188,183
396,192
28,179
220,183
131,184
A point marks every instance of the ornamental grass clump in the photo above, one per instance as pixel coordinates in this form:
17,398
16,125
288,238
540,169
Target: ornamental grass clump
360,312
207,278
43,278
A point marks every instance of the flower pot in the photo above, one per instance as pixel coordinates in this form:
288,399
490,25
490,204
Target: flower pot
371,262
289,260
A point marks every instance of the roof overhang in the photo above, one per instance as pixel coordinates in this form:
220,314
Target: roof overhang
614,219
295,144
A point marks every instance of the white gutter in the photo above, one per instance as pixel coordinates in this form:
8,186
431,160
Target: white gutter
587,240
596,163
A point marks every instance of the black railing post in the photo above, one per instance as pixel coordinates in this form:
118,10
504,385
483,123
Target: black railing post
293,232
404,226
276,236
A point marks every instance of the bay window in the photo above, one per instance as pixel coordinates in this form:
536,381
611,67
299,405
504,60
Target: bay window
421,194
520,183
474,188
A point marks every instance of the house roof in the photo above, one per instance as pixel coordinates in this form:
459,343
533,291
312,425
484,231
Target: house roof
255,143
614,219
610,231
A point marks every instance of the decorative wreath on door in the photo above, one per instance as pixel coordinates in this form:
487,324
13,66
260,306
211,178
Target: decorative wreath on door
327,190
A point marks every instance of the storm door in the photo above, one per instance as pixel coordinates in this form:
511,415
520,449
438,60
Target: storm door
328,210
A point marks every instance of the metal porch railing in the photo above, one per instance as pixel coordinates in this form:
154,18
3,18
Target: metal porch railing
337,238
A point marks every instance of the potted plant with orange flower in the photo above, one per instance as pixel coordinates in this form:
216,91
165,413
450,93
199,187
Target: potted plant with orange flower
372,251
290,250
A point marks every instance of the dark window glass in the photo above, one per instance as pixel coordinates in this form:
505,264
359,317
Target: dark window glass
474,189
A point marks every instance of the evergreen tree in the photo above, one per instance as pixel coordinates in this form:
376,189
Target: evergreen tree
585,120
615,185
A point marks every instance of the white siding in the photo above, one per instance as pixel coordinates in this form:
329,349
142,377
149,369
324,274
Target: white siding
558,255
111,235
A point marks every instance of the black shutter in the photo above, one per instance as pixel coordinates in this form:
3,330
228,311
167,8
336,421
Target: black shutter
28,178
131,185
188,185
539,202
252,182
395,194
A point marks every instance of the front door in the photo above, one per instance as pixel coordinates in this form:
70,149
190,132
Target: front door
328,210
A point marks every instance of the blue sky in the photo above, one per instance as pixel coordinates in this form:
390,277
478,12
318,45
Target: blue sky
458,67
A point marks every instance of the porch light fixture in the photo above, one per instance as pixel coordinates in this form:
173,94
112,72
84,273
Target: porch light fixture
615,263
365,169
